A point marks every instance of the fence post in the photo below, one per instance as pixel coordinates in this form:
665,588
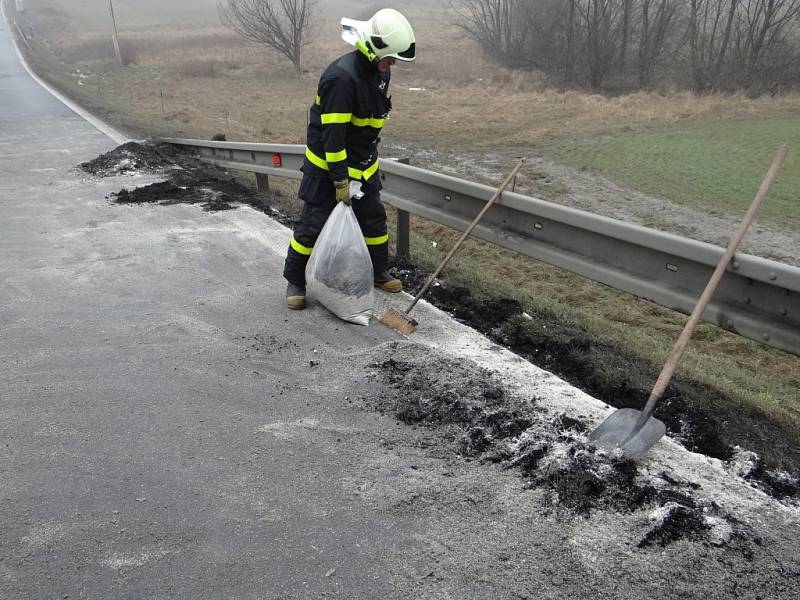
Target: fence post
114,36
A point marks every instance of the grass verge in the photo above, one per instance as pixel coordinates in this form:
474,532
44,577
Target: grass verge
713,165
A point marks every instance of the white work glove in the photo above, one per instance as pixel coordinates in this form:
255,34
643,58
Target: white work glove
355,190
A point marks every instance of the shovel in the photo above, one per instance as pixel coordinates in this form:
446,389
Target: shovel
634,431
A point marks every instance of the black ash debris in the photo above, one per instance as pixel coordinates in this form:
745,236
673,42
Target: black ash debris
186,180
478,419
129,158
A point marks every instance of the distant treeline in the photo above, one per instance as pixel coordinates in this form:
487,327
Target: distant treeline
702,45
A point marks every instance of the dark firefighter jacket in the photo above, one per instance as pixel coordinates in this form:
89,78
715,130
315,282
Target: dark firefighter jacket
346,119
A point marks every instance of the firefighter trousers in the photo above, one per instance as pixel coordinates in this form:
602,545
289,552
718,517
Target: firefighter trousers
319,200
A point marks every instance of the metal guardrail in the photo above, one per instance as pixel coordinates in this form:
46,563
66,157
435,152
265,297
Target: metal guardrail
757,298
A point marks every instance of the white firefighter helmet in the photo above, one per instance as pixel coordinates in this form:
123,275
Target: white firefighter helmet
387,33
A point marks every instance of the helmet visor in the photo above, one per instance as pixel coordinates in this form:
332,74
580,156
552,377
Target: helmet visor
409,54
379,44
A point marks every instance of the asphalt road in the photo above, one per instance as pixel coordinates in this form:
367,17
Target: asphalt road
20,97
169,430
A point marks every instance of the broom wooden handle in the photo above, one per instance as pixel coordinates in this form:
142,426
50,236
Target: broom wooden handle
683,340
465,234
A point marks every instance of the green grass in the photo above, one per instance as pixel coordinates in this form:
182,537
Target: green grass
714,165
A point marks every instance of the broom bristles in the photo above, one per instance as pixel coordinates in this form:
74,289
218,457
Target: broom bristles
399,321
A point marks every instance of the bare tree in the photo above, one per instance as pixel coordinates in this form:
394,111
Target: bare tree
283,25
695,47
710,27
744,44
726,44
626,29
498,26
658,19
569,70
762,29
602,21
726,38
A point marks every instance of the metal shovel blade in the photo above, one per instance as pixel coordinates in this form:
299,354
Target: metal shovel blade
619,431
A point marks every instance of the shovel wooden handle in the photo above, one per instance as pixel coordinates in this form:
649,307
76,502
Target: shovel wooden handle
464,235
686,334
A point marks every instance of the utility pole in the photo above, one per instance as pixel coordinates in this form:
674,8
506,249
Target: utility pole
114,33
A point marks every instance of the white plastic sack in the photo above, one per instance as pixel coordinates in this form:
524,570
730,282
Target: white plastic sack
339,272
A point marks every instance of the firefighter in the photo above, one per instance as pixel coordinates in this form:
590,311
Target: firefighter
341,162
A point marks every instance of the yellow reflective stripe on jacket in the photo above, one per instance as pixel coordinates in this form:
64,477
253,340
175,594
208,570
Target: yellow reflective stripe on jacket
351,172
368,122
300,249
316,160
318,100
334,118
336,156
377,241
366,174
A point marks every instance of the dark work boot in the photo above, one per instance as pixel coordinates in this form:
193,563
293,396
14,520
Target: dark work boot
296,296
388,283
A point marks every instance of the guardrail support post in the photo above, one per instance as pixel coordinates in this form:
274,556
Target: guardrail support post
262,183
403,243
403,230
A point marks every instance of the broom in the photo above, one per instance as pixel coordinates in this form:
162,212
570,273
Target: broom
401,321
